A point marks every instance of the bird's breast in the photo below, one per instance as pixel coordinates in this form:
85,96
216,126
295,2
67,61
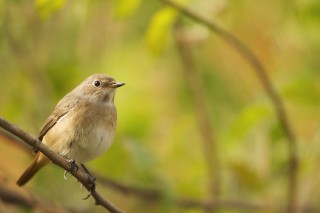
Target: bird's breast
95,136
103,139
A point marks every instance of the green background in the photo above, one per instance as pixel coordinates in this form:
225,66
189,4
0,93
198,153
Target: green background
47,47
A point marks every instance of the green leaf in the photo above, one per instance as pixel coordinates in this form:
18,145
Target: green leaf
159,29
125,8
303,90
248,118
47,7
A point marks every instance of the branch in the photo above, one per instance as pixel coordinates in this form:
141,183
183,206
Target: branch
34,204
6,137
12,197
60,161
156,195
278,105
145,194
194,82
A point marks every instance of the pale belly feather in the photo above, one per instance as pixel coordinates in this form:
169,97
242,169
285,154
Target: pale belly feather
81,145
97,145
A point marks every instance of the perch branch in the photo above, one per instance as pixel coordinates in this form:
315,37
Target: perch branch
60,161
155,195
278,105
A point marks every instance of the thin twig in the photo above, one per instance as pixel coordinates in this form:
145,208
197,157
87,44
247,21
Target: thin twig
6,137
33,203
60,161
194,82
143,193
146,194
156,195
12,197
274,97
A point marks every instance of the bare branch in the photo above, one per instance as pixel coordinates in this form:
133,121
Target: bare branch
14,141
194,82
155,195
11,197
274,97
60,161
145,194
33,203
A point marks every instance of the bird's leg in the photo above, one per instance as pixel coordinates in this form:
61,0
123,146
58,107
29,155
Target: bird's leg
86,170
92,190
91,180
74,168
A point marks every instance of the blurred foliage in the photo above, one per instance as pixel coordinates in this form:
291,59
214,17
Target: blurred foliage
48,7
125,8
48,47
160,26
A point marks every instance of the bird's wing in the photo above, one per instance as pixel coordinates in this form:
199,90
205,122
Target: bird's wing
61,109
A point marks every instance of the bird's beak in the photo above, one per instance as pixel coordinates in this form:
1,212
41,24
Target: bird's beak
116,84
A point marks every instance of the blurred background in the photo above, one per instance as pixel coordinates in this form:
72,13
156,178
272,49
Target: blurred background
194,122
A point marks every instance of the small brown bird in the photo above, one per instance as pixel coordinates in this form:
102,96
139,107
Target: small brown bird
82,125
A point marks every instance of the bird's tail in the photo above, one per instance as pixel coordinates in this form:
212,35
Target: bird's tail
38,162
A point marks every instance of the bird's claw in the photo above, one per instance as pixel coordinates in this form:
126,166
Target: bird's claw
92,181
92,190
89,178
65,174
74,168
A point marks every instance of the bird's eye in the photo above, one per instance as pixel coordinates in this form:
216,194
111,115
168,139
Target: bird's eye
96,83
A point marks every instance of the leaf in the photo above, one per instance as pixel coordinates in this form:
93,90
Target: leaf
47,7
248,118
159,29
125,8
303,90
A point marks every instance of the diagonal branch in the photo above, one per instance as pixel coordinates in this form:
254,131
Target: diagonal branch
156,195
269,89
60,161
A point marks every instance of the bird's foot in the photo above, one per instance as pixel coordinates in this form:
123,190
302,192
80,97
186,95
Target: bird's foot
90,180
65,175
74,168
92,190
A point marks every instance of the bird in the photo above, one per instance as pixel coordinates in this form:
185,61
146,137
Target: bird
81,126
